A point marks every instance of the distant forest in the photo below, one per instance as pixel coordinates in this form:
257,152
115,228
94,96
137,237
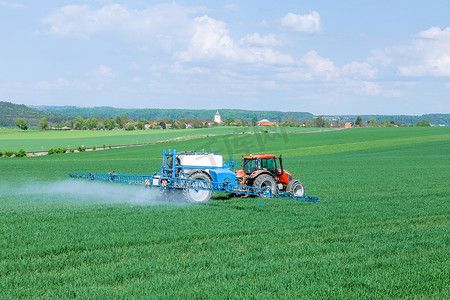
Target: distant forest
10,112
435,119
237,114
176,114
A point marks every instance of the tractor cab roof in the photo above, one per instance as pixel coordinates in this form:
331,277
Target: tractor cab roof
259,156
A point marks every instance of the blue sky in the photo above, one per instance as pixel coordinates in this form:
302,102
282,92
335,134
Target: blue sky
324,57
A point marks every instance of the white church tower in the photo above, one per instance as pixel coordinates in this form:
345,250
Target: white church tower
217,117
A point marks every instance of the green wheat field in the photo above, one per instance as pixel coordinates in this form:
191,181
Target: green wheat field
35,140
381,230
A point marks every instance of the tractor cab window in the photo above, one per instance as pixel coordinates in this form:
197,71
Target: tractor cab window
271,165
268,164
250,165
264,164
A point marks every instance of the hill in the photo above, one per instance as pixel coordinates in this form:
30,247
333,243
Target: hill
10,112
238,114
175,114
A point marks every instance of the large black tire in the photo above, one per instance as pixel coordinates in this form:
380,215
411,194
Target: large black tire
295,188
265,181
193,195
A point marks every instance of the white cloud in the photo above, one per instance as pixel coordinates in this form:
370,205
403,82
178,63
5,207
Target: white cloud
380,57
370,88
165,23
178,69
256,39
103,72
264,24
435,33
388,90
210,40
135,66
312,67
302,23
268,84
62,83
358,69
168,27
231,5
318,67
143,48
427,56
11,5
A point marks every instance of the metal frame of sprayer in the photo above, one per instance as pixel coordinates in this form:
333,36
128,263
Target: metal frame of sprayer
174,176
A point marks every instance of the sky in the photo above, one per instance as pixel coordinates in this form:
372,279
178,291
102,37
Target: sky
324,57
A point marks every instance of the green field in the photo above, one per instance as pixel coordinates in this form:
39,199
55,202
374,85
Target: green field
381,229
37,140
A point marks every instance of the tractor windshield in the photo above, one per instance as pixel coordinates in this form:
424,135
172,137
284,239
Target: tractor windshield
250,165
268,164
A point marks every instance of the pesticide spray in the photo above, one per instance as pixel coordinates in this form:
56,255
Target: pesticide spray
96,193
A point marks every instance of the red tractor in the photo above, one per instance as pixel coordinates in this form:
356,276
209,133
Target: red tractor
262,171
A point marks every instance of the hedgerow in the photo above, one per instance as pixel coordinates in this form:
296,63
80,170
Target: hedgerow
20,153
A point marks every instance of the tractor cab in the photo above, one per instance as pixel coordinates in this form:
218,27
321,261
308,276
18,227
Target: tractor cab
259,162
254,165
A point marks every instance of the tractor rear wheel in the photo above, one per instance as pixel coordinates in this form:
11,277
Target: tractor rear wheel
295,188
265,181
198,195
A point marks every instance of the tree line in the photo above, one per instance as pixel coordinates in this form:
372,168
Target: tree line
372,122
123,122
175,114
108,118
400,120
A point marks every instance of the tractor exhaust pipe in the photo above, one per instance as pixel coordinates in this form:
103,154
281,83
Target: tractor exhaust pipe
281,164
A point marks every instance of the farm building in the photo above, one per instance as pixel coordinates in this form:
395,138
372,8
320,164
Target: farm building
265,122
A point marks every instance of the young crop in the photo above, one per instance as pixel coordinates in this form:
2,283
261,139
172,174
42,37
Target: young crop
380,231
37,140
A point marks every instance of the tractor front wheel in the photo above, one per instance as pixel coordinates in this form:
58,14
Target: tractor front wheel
296,188
265,181
196,193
